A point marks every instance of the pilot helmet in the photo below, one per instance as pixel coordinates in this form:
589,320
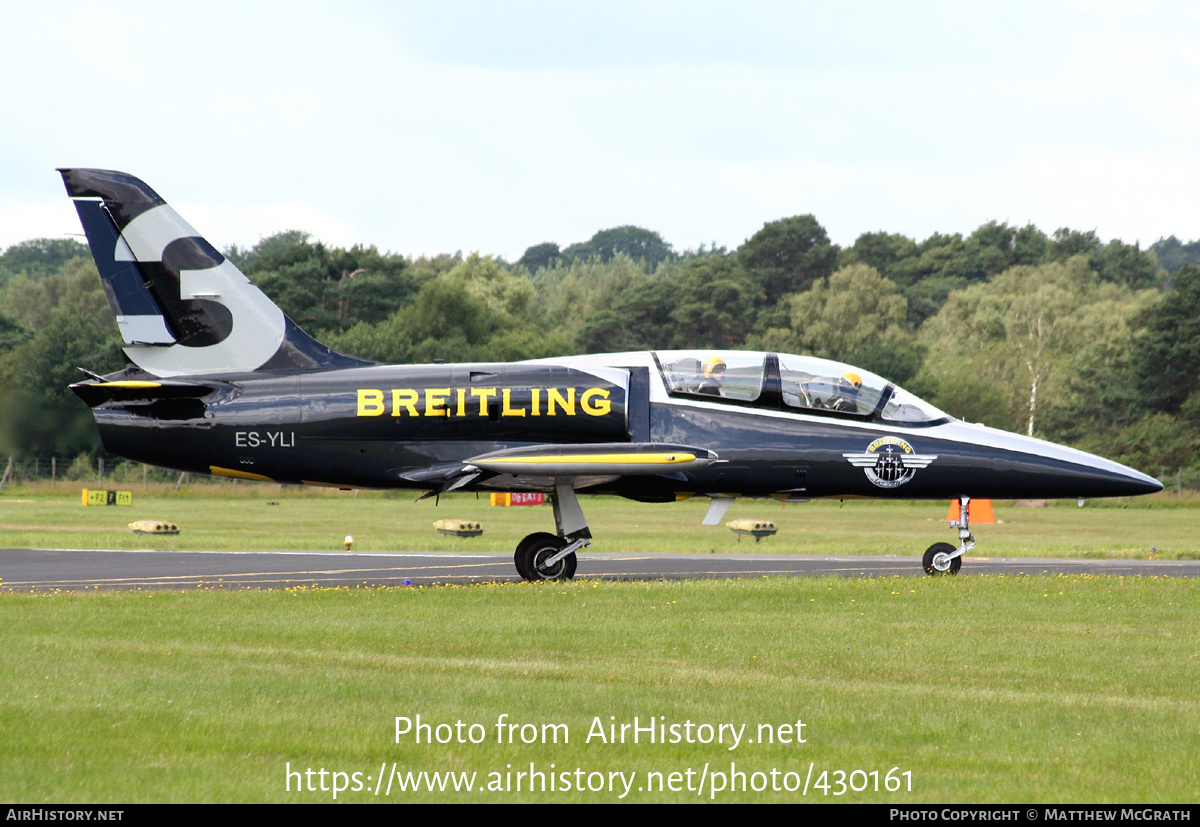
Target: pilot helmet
853,379
713,363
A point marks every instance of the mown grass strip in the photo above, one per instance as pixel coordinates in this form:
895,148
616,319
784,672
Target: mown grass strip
254,517
988,689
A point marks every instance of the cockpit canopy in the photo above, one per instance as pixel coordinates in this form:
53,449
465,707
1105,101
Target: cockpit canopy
783,381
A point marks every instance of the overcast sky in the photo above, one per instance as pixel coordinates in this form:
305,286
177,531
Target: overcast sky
491,126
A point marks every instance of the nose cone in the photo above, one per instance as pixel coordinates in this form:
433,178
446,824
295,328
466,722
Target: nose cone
1024,467
1103,478
1145,484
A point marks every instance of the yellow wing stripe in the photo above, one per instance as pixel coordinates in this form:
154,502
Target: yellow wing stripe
218,471
128,383
608,459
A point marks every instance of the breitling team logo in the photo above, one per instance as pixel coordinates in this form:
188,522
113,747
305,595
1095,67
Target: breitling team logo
890,461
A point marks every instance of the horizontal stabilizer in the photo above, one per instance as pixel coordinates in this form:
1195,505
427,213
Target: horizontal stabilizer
98,393
597,459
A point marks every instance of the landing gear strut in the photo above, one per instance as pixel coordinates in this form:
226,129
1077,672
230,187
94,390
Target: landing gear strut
943,558
543,556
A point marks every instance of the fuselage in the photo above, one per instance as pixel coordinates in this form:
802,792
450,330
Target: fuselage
774,428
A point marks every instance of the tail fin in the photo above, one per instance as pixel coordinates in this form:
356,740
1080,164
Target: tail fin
181,306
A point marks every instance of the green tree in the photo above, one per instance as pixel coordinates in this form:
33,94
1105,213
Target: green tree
712,305
1156,443
1031,246
1100,396
1032,331
985,253
844,317
11,333
639,319
327,287
960,391
1127,264
572,293
788,255
1069,243
539,256
28,302
38,412
927,296
1167,351
931,258
476,311
1171,253
39,257
639,244
880,250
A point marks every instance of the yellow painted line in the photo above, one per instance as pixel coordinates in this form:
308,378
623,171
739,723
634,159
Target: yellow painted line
283,576
218,471
630,459
130,383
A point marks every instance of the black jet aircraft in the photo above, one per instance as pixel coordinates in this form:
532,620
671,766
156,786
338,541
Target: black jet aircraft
221,382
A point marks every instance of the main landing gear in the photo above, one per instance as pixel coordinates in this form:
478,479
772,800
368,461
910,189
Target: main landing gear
943,558
543,556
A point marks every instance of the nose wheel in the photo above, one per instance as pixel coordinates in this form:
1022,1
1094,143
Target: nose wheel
937,560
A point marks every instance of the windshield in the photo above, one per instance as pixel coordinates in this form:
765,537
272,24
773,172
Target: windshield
902,406
822,384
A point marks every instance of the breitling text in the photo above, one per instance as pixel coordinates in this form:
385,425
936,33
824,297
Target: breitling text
489,402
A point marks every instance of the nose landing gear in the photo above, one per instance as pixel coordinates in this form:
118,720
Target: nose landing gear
943,558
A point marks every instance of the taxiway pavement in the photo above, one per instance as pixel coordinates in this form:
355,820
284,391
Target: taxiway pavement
80,569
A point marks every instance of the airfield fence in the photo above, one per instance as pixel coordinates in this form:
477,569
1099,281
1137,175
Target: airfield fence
82,468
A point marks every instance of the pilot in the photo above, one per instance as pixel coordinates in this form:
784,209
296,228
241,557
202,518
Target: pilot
713,372
845,393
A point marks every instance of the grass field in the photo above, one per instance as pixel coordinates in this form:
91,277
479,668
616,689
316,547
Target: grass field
984,689
256,516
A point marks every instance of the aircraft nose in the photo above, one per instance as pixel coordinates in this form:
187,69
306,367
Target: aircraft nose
1087,475
1028,467
1137,483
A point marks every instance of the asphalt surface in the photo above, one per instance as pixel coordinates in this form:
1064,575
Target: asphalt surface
79,569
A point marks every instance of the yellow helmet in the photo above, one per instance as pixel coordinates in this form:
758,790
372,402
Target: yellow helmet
711,364
853,378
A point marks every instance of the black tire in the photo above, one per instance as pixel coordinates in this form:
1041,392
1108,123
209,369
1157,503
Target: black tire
521,557
543,549
933,551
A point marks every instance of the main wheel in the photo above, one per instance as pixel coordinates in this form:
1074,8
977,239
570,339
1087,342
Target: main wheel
521,557
541,549
932,554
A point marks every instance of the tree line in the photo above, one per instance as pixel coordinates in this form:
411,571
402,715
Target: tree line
1059,335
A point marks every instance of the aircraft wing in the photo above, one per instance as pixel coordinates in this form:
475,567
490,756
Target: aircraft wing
594,459
547,463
